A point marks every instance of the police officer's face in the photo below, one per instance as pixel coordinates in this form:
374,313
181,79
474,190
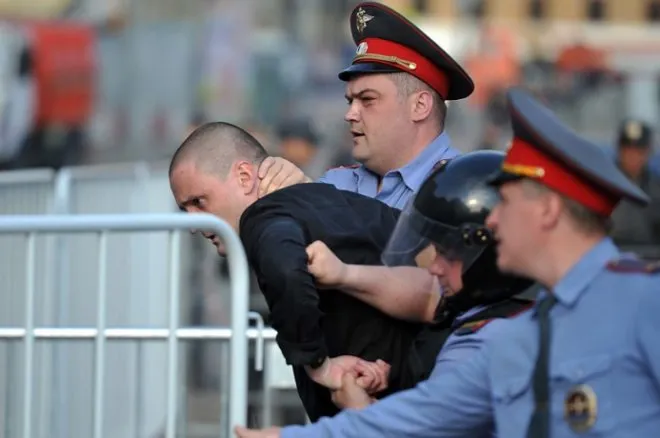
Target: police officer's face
513,222
377,118
196,191
633,159
448,272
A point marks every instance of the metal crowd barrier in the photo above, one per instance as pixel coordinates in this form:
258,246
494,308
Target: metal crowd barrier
102,225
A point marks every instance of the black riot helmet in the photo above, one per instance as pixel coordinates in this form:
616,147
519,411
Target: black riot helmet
449,212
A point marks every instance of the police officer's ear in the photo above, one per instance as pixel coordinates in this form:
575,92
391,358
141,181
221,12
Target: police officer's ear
247,175
551,207
421,105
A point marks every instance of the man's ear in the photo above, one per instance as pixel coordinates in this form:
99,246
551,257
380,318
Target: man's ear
421,106
247,176
551,206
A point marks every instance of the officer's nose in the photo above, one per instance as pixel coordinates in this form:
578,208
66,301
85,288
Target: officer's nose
426,257
491,219
352,113
436,267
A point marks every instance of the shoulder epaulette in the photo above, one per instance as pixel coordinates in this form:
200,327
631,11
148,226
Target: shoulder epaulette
471,327
440,164
348,166
634,266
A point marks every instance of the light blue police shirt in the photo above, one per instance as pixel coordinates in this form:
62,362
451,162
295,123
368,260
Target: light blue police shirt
604,368
604,355
411,413
399,184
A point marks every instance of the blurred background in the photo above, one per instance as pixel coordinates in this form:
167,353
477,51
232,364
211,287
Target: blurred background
95,95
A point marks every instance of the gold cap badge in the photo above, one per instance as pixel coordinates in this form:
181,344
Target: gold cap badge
361,20
633,130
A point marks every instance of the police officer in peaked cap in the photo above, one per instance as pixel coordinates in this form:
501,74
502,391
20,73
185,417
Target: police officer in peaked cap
634,225
396,88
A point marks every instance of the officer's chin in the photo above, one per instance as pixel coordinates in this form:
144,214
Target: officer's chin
504,262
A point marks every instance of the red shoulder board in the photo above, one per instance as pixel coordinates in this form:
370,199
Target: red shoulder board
634,266
473,327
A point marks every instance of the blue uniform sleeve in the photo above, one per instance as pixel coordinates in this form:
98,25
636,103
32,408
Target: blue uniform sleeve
456,350
453,403
648,327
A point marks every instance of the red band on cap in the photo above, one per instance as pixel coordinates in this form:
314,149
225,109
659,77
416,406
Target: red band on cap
405,59
534,163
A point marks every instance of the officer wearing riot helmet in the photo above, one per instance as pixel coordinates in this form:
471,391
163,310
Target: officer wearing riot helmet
444,230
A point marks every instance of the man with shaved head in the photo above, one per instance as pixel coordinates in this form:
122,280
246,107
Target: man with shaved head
322,333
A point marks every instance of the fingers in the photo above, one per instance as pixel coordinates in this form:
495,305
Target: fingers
341,395
373,376
291,179
350,395
315,248
368,377
266,183
288,172
312,251
384,366
265,166
276,172
384,372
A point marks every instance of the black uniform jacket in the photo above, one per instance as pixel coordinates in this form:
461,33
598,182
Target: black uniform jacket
313,323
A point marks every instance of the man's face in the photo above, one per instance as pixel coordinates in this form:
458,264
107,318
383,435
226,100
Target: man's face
448,272
378,118
633,159
196,191
515,222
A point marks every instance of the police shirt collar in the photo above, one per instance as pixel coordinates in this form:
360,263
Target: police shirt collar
415,172
569,288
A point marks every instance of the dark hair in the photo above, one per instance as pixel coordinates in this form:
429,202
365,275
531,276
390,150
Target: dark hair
216,145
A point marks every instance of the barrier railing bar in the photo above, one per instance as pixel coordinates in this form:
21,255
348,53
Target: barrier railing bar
238,271
93,223
26,176
134,334
259,353
172,341
29,335
61,381
99,353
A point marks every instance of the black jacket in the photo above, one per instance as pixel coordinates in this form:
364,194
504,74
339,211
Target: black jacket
313,323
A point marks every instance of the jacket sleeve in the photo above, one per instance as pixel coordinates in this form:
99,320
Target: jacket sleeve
276,251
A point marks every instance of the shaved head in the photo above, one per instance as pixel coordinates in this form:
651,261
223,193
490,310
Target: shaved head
215,170
214,147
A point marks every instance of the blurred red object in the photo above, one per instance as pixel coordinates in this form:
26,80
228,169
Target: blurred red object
64,60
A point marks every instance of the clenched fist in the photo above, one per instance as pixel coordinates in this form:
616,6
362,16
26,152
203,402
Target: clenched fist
373,377
323,264
351,395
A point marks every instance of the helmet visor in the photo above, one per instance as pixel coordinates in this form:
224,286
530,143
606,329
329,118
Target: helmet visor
415,235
